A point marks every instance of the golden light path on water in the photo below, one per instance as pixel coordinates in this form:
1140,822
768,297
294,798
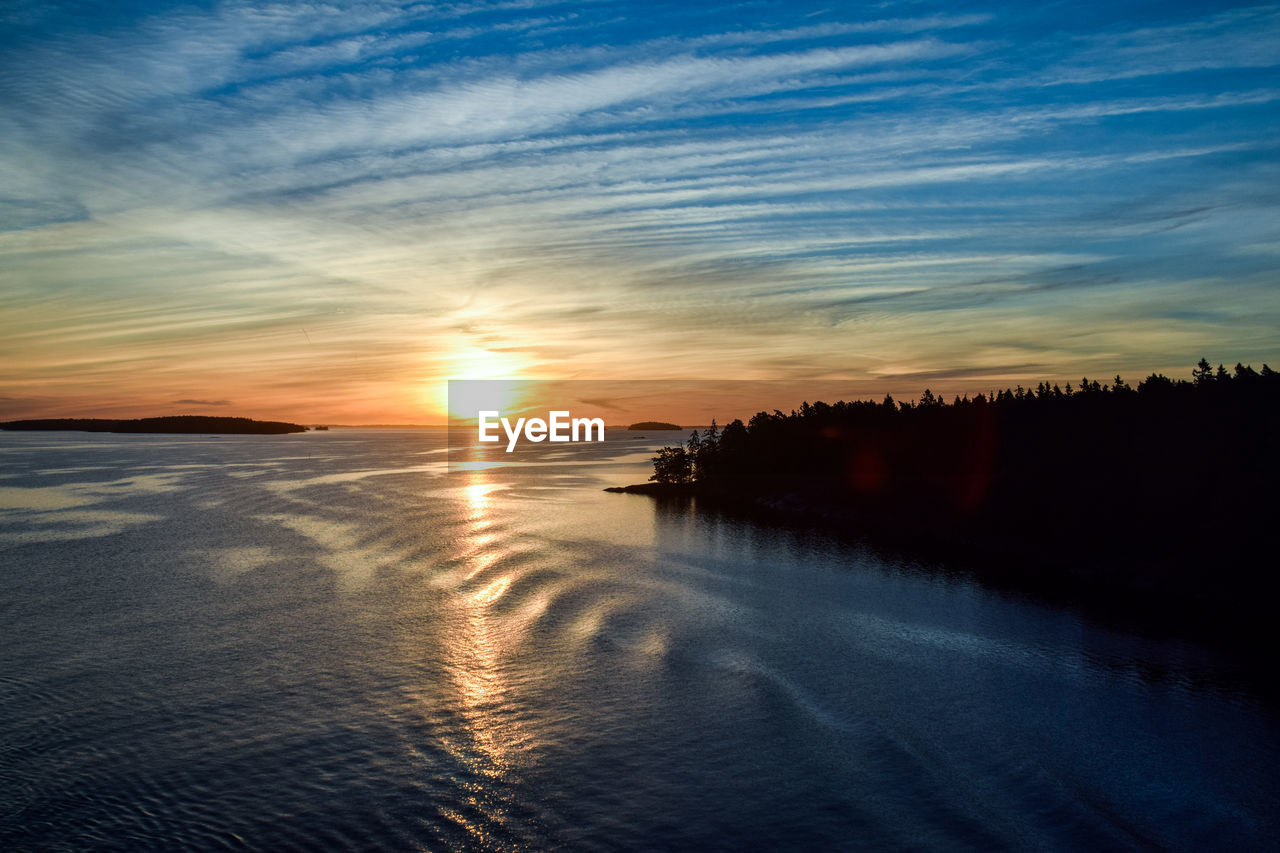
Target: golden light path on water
481,542
477,648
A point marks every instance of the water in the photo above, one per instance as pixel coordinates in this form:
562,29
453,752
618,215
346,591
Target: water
325,641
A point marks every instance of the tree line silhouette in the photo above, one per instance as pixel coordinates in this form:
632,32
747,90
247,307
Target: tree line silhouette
1168,488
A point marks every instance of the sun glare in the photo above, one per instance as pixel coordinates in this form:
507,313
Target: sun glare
499,392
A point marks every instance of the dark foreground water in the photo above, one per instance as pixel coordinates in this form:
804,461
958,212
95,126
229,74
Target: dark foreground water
325,641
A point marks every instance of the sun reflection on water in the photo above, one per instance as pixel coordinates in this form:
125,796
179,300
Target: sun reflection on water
477,494
493,591
479,645
480,544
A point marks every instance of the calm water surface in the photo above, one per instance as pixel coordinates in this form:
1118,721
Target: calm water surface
326,641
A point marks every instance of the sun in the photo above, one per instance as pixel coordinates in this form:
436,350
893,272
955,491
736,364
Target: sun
464,393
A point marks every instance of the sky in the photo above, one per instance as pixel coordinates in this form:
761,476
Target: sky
321,212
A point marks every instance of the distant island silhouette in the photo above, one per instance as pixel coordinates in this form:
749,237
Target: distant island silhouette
654,425
1160,498
169,424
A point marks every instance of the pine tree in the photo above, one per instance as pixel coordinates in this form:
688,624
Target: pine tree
1202,374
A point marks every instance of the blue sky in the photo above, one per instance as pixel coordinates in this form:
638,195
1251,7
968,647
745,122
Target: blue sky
324,210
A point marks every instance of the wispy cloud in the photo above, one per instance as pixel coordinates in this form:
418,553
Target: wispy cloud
263,199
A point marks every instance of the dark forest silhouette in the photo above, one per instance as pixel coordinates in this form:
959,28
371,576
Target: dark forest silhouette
170,424
1165,492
